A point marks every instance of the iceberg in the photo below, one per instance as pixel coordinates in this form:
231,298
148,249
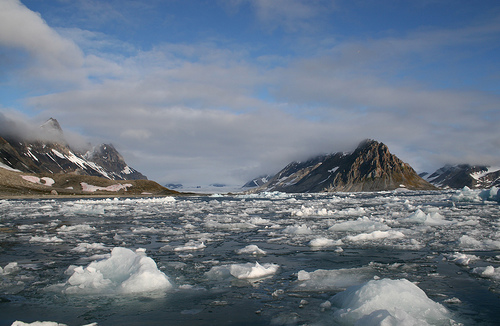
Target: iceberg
387,302
125,271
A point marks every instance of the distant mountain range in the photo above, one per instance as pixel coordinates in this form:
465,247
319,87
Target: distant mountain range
370,167
49,165
464,175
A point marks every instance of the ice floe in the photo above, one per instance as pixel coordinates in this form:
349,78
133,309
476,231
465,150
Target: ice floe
125,271
387,302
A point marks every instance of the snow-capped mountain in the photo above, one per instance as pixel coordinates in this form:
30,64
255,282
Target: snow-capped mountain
464,175
371,167
52,154
257,182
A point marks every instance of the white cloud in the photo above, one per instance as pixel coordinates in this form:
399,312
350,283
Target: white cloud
195,113
55,58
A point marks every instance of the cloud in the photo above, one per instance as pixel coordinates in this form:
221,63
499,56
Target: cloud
211,112
52,57
290,15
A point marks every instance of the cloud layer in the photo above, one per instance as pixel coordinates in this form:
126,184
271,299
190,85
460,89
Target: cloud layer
222,110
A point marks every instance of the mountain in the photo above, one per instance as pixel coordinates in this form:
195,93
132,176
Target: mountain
52,154
257,182
464,175
371,167
106,156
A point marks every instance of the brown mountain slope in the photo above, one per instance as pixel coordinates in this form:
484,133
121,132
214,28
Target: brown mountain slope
371,167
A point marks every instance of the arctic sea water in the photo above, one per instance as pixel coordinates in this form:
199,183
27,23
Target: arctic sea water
386,258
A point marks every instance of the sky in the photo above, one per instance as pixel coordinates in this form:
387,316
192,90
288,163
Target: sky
222,91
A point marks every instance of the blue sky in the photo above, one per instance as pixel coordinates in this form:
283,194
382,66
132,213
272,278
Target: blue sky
201,92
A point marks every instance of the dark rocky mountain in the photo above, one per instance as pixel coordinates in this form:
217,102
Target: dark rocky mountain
106,156
257,182
52,154
464,175
371,167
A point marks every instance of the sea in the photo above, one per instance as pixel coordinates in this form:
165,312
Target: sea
381,258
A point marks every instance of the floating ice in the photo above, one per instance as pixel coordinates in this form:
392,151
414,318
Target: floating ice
81,228
84,247
298,229
243,271
375,235
191,245
46,239
124,271
251,250
388,302
462,259
324,242
468,242
44,323
328,280
361,224
488,271
311,211
466,195
432,218
490,194
9,268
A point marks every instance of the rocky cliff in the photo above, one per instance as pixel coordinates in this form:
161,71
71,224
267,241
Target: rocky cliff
371,167
52,154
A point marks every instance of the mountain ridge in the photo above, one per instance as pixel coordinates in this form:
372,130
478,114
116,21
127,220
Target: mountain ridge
370,167
53,154
464,175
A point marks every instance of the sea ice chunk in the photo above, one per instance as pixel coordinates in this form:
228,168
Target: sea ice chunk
432,218
246,271
124,271
361,224
9,268
375,235
387,302
324,242
191,245
250,271
488,271
327,280
251,250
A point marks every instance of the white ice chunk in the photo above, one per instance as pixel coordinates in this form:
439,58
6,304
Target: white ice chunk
388,302
191,245
361,224
488,271
84,247
468,242
246,271
9,268
124,271
432,218
324,242
297,229
375,235
46,239
462,259
328,280
251,271
251,250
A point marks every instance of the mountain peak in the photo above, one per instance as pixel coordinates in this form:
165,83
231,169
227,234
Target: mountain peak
371,167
